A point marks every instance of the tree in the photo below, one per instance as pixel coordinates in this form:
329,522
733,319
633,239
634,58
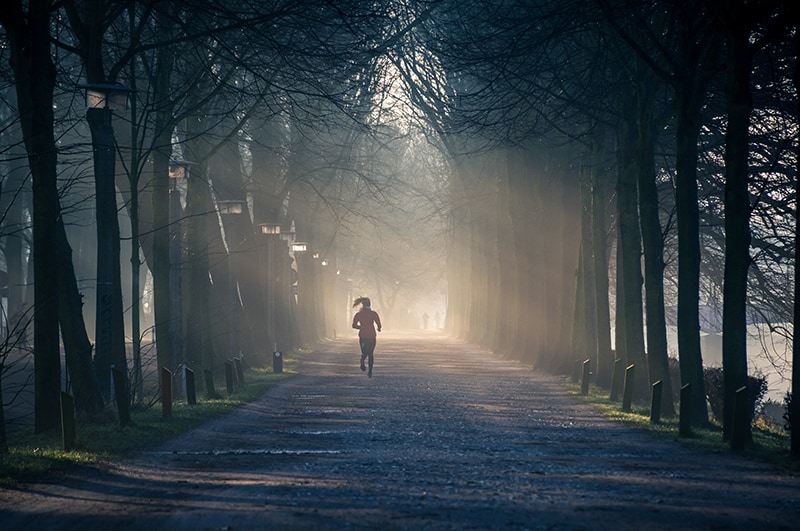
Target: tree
34,75
748,27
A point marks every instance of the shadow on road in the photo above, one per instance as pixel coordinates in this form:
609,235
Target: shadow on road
443,436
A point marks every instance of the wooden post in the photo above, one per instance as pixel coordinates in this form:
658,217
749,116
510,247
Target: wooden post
741,417
627,392
67,421
685,423
655,403
229,376
211,393
166,392
191,395
237,362
586,376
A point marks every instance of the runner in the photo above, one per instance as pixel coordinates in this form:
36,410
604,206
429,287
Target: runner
365,322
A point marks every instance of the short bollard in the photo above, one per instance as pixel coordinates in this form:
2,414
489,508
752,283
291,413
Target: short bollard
616,380
655,403
741,417
121,392
211,392
229,376
586,376
191,395
166,392
277,362
627,392
685,422
237,363
67,421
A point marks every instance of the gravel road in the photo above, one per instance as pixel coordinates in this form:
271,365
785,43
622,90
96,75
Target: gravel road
443,436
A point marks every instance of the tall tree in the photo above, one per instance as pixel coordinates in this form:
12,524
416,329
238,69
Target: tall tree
89,21
35,75
652,236
748,27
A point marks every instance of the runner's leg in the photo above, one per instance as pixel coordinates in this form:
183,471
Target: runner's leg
364,352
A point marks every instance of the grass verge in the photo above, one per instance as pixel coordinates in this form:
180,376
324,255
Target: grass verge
770,442
35,456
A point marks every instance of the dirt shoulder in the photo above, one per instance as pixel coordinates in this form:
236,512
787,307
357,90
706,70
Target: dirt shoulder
443,436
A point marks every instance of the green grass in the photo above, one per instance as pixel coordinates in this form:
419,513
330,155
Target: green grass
770,442
33,456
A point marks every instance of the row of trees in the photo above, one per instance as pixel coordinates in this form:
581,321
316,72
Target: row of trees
274,106
662,132
596,162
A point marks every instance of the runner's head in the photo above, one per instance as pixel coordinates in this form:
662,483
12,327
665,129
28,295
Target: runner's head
363,301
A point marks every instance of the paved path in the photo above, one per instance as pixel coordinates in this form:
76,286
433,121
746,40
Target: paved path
443,436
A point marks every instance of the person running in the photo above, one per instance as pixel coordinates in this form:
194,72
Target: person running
365,321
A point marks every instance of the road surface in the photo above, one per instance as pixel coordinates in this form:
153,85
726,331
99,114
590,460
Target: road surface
443,436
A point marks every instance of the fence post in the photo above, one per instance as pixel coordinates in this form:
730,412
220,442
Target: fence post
237,362
229,376
67,421
685,423
741,417
211,393
655,404
627,392
586,376
191,395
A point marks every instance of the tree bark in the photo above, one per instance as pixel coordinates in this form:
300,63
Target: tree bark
77,347
653,243
737,220
630,246
605,356
34,73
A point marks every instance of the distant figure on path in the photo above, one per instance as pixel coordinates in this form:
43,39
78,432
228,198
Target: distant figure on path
425,318
365,322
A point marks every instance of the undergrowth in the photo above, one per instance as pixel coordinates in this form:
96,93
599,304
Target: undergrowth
770,441
33,456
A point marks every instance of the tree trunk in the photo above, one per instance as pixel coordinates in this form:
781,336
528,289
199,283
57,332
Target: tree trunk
588,275
605,356
110,325
506,266
696,66
160,269
631,251
653,244
737,222
34,73
77,347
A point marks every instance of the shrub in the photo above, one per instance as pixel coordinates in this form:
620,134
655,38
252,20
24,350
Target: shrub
715,391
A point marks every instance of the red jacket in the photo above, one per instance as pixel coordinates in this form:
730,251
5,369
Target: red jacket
365,321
